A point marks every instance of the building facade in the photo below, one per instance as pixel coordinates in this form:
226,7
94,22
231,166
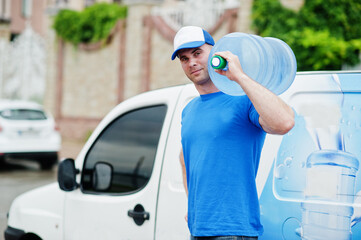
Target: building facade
85,82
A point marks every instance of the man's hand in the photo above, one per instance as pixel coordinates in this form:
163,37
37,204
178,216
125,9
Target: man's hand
234,70
275,116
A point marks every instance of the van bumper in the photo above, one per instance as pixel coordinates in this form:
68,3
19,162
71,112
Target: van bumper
13,233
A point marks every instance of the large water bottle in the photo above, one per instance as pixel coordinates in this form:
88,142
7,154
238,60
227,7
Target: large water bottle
269,61
331,179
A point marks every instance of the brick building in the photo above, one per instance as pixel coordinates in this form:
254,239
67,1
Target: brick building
84,83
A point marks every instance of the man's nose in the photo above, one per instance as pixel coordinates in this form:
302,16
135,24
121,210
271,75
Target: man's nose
192,62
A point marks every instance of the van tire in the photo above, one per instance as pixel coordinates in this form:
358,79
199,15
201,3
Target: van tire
30,236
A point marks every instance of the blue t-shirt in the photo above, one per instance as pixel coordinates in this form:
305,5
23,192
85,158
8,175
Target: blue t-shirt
222,142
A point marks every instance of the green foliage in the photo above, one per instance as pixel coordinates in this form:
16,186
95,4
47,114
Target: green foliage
90,25
324,34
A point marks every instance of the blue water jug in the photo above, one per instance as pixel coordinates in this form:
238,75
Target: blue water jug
269,61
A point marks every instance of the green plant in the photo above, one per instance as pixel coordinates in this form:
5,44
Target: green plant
93,24
324,34
87,135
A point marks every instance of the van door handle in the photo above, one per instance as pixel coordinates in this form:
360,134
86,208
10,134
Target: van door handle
139,215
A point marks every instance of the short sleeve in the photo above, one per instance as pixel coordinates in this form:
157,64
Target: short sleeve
254,116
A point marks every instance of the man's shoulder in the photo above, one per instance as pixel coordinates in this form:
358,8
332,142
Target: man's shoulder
191,104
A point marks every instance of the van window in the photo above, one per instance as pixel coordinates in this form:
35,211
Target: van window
129,145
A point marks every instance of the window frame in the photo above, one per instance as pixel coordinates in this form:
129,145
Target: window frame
108,125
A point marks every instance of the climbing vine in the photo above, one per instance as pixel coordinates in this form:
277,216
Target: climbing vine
93,24
324,34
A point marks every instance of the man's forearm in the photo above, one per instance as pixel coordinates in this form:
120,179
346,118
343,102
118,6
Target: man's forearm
184,173
276,117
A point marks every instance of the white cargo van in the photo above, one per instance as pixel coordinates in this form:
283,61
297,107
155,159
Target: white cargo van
126,182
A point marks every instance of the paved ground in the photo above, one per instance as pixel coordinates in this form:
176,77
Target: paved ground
21,176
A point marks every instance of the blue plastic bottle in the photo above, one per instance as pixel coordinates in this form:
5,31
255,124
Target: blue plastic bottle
269,61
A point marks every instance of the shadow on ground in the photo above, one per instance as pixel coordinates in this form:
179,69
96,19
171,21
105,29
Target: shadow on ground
19,165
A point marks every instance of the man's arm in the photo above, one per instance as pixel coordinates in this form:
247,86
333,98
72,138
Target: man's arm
184,174
275,116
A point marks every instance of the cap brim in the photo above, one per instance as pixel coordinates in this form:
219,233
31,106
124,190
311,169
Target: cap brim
187,45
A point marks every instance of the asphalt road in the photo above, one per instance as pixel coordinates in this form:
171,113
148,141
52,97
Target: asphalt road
17,177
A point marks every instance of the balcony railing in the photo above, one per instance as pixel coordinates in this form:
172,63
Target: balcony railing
204,13
130,2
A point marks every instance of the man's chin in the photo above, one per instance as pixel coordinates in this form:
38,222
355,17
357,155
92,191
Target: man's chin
201,81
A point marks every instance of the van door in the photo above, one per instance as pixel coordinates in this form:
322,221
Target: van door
125,209
172,200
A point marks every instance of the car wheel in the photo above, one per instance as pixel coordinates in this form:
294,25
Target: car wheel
47,162
2,160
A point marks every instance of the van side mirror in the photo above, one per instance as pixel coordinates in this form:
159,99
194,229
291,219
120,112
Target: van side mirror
67,175
102,176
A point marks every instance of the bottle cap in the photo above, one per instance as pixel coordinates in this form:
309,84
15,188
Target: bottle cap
218,62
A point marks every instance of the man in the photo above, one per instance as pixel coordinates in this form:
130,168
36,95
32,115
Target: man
222,139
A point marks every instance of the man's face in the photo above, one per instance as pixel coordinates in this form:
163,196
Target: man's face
194,62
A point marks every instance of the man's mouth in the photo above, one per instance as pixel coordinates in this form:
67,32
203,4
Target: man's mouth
196,71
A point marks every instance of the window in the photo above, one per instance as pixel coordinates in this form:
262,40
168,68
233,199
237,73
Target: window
23,114
5,11
13,36
26,8
89,3
61,3
129,146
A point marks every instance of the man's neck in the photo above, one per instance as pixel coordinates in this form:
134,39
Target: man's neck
206,88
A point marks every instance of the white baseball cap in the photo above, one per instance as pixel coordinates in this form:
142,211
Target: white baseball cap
190,37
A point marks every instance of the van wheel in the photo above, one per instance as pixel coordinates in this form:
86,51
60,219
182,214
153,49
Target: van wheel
30,236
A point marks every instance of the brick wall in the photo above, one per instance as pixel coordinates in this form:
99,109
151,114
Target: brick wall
90,78
77,128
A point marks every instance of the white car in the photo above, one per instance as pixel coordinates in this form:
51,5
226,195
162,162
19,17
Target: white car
27,132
